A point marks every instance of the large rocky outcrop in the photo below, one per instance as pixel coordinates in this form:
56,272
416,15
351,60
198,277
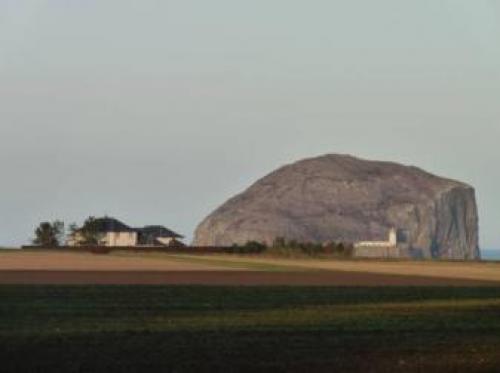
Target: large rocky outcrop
342,198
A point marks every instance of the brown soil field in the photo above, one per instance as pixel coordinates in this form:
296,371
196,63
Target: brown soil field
52,267
83,261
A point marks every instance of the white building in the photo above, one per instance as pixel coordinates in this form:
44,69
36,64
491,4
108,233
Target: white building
391,242
379,249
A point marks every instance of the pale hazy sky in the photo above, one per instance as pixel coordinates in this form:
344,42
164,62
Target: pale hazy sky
158,111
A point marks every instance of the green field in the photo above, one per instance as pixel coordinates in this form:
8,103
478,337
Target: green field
188,328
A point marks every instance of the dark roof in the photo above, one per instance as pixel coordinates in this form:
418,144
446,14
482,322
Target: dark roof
173,243
159,231
106,224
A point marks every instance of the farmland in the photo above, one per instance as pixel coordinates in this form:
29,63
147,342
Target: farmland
63,311
63,267
193,328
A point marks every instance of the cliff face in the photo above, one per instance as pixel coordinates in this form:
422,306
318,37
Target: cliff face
342,198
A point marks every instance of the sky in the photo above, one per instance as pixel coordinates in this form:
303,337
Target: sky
156,112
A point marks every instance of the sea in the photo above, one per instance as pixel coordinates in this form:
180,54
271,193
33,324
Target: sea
487,254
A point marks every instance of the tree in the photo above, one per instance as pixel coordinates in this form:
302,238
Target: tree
279,243
72,228
49,234
255,247
89,232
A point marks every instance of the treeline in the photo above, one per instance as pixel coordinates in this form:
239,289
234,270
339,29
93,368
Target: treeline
55,234
291,248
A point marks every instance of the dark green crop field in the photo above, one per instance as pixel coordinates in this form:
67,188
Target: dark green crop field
231,329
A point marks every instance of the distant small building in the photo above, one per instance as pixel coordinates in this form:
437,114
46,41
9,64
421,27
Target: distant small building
379,249
114,233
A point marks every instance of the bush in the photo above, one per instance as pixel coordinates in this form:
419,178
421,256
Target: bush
339,249
281,246
251,247
254,247
293,248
